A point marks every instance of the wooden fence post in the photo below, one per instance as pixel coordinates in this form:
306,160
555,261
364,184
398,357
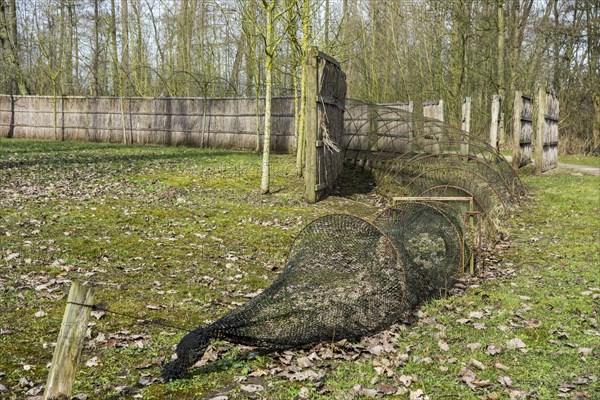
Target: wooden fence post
540,129
466,125
433,131
59,384
373,128
517,113
411,125
495,125
311,135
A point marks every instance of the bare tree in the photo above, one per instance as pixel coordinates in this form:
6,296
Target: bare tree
273,15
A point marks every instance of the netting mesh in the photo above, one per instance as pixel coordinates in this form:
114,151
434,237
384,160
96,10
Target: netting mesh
343,279
430,239
416,156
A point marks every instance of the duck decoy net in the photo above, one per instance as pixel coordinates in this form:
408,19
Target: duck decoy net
344,277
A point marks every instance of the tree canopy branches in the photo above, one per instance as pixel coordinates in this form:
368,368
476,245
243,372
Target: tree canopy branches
415,50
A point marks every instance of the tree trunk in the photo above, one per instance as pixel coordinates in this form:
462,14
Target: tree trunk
113,43
124,47
10,44
306,39
269,53
96,51
326,27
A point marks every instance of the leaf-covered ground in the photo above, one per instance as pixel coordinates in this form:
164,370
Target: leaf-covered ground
178,236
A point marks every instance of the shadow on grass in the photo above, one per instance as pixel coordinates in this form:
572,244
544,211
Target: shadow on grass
355,180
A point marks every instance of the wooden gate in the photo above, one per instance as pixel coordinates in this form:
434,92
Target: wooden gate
325,98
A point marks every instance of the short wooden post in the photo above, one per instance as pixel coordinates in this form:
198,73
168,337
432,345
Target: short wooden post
472,229
59,384
373,128
495,125
434,131
411,125
466,125
517,157
540,130
311,133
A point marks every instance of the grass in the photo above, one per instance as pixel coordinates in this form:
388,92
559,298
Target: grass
588,161
179,234
575,159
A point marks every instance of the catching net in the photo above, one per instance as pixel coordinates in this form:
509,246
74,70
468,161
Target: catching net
343,279
430,239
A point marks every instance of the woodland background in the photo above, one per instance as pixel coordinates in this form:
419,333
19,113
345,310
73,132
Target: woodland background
391,50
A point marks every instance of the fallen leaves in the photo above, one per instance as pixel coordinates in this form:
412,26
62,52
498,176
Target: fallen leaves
358,390
474,346
385,389
12,256
252,388
476,363
97,314
406,380
573,389
304,362
443,345
470,378
476,315
516,344
494,349
501,367
505,381
585,351
92,362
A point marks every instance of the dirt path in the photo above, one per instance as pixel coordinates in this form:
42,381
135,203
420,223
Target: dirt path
574,167
581,168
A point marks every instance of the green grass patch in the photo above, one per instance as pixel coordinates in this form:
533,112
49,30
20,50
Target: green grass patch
588,161
179,235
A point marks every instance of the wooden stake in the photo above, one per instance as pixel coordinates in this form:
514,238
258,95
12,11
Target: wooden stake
495,125
70,342
540,130
466,125
311,135
517,156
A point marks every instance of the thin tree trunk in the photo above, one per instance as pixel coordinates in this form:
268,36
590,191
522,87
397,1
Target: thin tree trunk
113,42
326,27
266,164
96,51
306,38
124,45
269,52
